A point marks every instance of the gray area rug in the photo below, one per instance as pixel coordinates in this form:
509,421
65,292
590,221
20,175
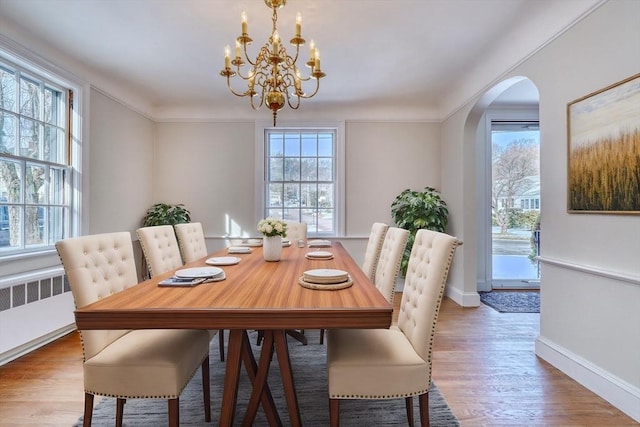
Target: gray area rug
512,301
309,368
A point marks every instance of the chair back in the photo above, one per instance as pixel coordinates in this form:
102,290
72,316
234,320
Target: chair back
296,231
191,241
97,266
388,268
160,248
424,285
374,245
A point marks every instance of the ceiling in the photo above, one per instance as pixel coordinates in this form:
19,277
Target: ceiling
416,59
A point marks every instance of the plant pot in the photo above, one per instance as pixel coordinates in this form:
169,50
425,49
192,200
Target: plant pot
272,248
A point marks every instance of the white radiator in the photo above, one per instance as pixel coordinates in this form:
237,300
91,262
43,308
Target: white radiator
35,309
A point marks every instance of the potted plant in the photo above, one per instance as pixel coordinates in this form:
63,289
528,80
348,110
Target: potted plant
413,210
165,214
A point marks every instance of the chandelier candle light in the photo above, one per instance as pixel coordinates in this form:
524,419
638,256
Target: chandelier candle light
274,75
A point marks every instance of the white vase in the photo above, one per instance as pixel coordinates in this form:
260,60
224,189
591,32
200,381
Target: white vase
272,248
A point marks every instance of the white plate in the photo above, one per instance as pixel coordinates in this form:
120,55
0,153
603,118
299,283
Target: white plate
319,254
223,260
196,272
325,275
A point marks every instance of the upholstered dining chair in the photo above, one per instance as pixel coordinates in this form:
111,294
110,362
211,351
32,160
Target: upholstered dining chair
191,241
372,251
160,248
162,253
396,362
388,264
128,364
296,231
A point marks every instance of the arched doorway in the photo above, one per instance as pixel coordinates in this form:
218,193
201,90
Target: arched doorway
506,122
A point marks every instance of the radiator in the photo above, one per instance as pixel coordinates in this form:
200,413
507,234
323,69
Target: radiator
35,309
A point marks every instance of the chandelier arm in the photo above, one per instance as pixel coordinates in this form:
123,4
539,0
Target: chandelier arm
232,90
305,96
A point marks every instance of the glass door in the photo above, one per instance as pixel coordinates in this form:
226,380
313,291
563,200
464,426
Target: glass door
515,204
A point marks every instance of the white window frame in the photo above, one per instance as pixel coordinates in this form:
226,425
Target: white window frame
338,127
18,56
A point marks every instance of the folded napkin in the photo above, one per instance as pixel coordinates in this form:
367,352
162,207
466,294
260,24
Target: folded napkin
239,250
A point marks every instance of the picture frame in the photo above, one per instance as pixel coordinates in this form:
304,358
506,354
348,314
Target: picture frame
603,143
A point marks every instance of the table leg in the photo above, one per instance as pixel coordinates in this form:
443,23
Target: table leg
282,351
232,377
258,376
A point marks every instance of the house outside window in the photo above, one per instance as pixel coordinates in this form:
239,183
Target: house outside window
35,171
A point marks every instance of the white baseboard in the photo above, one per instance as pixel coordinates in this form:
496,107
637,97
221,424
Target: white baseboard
619,393
23,349
464,299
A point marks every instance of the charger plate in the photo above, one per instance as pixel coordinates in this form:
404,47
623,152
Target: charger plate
324,287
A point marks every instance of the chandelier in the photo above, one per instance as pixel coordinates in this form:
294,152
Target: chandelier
274,77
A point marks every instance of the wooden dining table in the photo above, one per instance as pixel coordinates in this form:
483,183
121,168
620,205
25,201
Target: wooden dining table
255,295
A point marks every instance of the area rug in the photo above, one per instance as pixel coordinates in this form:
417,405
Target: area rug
512,301
309,368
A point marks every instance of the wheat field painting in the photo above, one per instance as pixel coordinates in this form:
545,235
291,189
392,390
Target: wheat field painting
604,150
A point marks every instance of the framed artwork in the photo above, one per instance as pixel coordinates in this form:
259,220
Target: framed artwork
603,132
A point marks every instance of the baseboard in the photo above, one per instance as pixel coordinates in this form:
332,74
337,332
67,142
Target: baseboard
464,299
619,393
17,352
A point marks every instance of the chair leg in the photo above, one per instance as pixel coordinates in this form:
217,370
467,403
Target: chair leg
297,335
206,389
221,344
88,410
119,411
408,401
260,337
424,409
321,336
174,412
334,412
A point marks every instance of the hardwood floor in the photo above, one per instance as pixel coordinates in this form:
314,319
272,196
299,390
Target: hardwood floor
484,365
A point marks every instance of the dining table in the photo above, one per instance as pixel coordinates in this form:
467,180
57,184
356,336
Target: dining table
254,295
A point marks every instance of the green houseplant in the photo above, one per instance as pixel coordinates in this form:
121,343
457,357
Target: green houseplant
165,214
413,210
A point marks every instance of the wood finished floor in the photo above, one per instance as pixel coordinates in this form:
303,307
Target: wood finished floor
484,365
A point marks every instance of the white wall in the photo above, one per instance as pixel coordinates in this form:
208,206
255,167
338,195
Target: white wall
590,283
120,166
209,167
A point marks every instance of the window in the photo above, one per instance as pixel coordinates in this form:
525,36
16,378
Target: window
301,177
35,174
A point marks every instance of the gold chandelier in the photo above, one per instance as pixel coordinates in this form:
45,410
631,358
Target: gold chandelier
274,75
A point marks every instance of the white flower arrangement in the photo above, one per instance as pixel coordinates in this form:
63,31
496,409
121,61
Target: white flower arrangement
272,227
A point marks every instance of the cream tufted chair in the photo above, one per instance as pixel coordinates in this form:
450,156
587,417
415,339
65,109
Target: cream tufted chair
193,247
128,364
374,245
161,250
396,362
388,268
296,231
388,263
191,241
